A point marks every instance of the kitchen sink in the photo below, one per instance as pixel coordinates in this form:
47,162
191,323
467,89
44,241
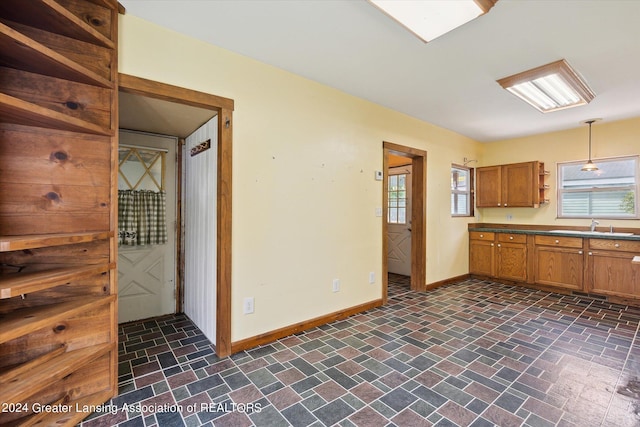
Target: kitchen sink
591,233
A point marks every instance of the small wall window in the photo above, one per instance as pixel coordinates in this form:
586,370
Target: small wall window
397,209
461,194
609,192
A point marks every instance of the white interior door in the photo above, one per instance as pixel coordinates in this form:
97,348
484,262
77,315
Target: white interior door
399,221
146,273
200,213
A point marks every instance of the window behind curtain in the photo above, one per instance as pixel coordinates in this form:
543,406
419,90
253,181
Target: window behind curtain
609,192
461,195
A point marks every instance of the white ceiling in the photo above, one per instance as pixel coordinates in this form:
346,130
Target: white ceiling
154,115
451,81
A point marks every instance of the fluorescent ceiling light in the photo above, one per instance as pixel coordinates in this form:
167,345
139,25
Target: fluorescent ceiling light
433,18
551,87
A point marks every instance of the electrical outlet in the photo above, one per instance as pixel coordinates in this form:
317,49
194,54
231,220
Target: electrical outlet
248,305
372,277
509,217
336,285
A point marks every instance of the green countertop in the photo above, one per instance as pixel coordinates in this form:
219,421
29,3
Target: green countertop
565,233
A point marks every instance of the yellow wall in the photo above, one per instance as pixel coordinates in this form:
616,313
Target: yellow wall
304,194
609,139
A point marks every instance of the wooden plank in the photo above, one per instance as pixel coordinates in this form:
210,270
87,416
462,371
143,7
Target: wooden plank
22,112
33,199
91,104
64,19
24,368
19,51
85,329
43,375
22,242
166,92
22,322
20,284
32,157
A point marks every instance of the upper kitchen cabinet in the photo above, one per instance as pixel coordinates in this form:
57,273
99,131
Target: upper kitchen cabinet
511,185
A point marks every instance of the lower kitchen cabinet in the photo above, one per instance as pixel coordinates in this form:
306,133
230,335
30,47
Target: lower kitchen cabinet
559,261
482,253
599,266
610,270
511,256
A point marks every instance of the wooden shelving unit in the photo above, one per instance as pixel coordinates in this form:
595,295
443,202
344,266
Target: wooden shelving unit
58,276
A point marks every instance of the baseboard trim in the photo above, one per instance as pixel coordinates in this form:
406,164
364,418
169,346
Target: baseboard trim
435,285
272,336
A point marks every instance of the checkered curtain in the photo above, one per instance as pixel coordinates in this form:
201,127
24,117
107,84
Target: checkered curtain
141,217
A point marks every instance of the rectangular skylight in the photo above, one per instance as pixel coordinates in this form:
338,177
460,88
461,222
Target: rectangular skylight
433,18
551,87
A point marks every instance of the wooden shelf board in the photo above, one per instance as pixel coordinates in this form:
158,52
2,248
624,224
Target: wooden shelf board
54,17
17,243
22,386
21,52
22,369
25,113
16,284
25,321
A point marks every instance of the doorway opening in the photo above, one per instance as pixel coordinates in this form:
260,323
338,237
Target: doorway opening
404,217
182,105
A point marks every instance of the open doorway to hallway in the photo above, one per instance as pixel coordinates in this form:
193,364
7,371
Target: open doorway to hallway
399,224
404,218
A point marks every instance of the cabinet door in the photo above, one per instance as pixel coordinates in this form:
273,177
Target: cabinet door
512,261
489,187
562,267
519,189
481,257
612,273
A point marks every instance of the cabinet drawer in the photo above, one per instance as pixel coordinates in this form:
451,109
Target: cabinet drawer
564,242
513,238
481,235
615,245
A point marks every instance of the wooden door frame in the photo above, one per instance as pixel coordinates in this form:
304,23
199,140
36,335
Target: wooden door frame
224,108
418,215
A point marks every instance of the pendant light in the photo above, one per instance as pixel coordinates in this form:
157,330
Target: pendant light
590,166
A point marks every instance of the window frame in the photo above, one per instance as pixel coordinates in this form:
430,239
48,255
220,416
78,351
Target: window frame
469,192
407,176
635,187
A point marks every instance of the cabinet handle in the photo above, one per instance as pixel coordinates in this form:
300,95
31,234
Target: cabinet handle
492,245
498,204
481,236
505,204
590,253
579,252
499,245
557,241
510,237
617,245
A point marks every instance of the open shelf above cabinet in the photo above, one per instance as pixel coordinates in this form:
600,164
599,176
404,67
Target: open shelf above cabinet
50,14
12,285
23,53
25,113
18,243
27,320
24,385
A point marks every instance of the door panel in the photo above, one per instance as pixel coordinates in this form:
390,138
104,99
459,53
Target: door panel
399,217
200,232
146,274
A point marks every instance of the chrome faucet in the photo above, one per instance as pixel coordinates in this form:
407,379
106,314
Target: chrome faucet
593,224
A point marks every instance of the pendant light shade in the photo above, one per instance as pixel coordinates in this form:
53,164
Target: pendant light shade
590,166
